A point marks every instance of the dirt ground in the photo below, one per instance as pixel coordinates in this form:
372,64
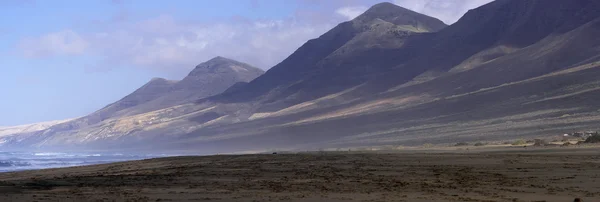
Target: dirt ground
558,174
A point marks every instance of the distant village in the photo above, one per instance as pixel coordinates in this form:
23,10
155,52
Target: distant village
567,139
585,134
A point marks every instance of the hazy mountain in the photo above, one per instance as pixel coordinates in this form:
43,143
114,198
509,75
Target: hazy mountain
8,133
508,69
156,88
9,130
209,78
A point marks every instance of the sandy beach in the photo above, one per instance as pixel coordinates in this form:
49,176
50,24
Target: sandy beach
518,174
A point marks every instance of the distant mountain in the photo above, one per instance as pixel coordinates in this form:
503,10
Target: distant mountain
9,132
506,70
209,78
156,88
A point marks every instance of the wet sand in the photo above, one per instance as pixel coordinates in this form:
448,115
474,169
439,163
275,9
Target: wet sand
559,174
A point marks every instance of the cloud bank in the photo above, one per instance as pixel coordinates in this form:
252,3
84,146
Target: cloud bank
65,42
448,11
351,12
170,44
166,43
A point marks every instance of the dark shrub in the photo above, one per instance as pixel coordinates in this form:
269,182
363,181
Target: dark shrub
479,144
539,142
593,139
461,144
519,142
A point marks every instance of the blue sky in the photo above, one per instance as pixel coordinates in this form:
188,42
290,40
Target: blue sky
63,59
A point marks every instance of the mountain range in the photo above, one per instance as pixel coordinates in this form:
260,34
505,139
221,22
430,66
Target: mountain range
506,70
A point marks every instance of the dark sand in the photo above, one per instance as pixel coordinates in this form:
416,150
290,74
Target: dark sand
559,174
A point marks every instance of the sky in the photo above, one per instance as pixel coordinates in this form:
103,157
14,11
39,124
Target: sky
64,59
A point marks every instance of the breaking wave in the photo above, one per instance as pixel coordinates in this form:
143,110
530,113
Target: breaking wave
16,161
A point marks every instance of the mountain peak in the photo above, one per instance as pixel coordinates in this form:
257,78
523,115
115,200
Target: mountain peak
222,65
220,59
386,6
399,16
522,23
159,81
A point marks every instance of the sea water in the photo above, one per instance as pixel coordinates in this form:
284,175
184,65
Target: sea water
17,161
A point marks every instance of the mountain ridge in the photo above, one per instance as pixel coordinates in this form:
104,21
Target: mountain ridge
506,70
397,15
309,58
212,73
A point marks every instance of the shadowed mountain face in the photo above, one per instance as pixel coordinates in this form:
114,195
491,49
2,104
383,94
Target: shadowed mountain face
207,79
506,70
382,54
383,26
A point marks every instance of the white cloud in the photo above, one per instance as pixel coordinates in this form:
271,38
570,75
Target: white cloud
65,42
351,12
170,44
448,11
162,43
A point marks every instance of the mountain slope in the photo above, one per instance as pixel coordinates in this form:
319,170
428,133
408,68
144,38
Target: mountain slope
379,25
152,90
384,55
207,79
528,64
18,133
11,130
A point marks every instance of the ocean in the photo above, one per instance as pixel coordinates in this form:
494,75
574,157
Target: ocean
17,161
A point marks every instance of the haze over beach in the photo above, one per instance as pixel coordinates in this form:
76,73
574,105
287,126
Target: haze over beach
300,100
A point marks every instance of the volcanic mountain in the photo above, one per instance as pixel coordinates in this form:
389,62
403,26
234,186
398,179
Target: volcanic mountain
506,70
